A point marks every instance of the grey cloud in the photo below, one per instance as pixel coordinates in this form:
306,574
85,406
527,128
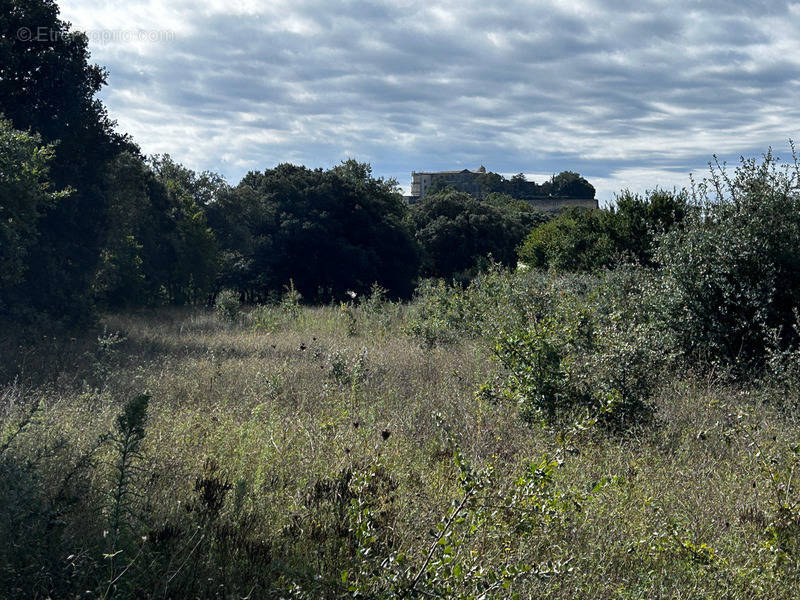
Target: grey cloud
522,86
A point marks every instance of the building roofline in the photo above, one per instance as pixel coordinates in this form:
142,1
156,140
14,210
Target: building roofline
445,172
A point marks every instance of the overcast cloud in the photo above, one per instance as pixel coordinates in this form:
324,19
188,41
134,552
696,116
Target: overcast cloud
628,93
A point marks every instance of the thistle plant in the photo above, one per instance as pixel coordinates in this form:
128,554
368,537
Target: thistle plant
127,442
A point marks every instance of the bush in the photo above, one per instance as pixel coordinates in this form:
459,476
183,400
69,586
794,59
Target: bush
590,240
577,240
600,352
497,300
227,305
437,315
732,274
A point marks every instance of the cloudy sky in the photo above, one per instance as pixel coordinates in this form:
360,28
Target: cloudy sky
631,94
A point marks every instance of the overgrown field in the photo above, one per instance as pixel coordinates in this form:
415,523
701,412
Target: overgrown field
376,449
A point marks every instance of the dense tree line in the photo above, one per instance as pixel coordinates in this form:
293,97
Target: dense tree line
582,239
86,220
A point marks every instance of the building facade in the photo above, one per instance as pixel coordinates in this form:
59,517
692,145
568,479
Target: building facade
477,184
463,181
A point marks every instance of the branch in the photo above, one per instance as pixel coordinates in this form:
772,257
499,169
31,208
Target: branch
459,508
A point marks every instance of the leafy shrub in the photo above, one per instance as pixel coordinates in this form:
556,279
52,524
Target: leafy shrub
577,240
591,352
436,316
495,300
375,302
537,372
590,240
347,311
731,275
104,356
227,305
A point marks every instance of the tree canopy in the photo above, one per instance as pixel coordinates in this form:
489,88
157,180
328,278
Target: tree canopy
159,248
26,194
565,184
582,239
456,232
48,86
328,232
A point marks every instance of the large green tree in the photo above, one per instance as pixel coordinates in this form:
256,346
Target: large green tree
327,231
159,248
572,185
456,231
25,194
48,86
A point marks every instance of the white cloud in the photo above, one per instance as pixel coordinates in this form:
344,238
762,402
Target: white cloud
630,94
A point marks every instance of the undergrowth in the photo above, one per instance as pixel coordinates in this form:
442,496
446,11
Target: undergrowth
528,435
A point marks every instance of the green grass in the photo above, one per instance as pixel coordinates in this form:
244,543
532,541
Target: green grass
260,432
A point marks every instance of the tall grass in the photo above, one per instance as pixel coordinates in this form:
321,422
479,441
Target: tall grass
374,449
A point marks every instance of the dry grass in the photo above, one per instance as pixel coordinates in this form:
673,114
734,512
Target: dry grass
282,412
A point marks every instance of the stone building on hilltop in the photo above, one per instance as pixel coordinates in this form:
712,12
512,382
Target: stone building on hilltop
464,181
563,190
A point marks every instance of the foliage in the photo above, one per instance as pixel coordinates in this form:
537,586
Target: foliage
159,249
25,195
306,462
731,275
133,263
126,441
496,299
639,221
538,369
565,184
450,565
227,305
588,353
571,184
329,231
783,521
48,87
577,240
193,263
437,315
561,344
456,232
290,300
591,239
